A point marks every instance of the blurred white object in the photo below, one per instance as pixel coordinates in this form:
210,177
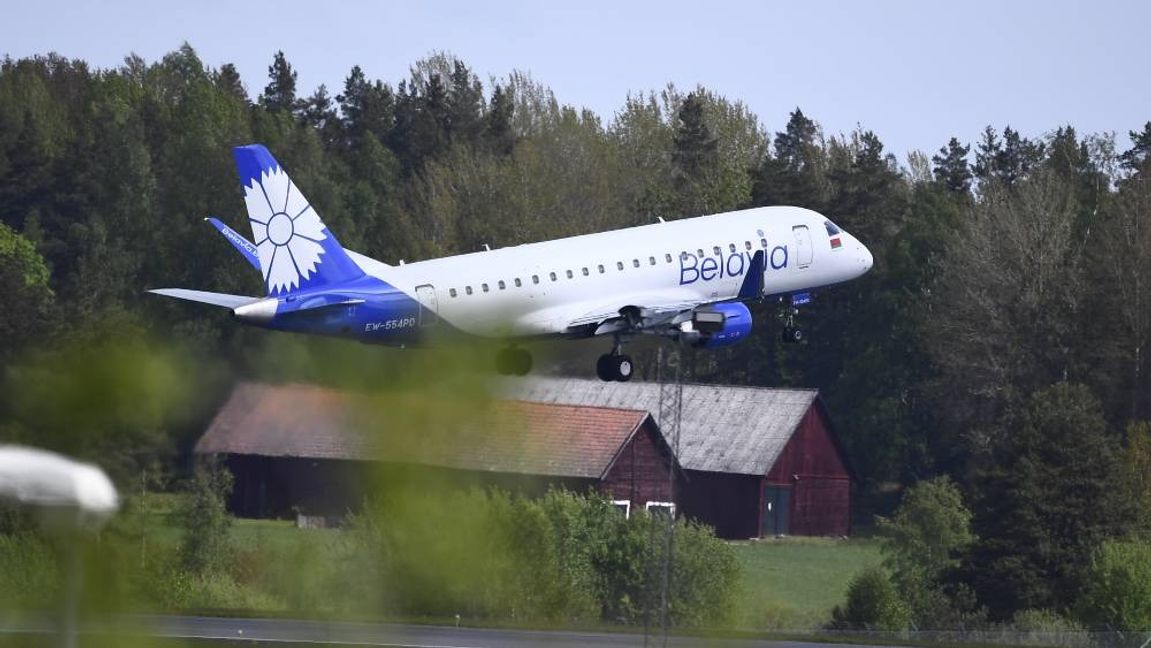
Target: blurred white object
66,492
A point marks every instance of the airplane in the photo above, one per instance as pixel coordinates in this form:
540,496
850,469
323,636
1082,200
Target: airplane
688,280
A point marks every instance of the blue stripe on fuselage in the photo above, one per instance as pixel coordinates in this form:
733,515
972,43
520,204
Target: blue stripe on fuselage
366,309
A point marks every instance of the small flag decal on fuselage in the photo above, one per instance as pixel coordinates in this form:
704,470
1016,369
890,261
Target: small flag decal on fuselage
835,243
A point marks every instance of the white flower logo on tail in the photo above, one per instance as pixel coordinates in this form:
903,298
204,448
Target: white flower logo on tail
286,229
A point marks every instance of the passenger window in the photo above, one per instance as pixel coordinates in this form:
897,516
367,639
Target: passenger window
651,260
484,286
453,292
600,268
747,244
552,275
715,250
619,264
683,255
635,262
585,272
535,279
731,247
699,253
468,289
570,275
518,282
502,285
763,243
668,257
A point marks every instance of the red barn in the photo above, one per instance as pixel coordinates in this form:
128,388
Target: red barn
757,461
306,449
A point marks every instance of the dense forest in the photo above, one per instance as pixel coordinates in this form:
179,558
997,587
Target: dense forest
1000,338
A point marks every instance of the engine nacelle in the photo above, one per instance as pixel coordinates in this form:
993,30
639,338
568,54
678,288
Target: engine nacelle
717,325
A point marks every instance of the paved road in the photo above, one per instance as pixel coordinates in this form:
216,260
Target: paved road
290,631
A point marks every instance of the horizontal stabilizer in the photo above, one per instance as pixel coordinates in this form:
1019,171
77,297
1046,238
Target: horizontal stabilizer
246,247
215,299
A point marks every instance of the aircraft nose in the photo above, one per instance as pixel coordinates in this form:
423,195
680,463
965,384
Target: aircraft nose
865,258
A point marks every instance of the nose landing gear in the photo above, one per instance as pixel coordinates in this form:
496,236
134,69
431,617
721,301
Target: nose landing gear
791,334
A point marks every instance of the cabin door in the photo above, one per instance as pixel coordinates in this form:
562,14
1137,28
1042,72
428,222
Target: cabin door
776,510
803,251
429,306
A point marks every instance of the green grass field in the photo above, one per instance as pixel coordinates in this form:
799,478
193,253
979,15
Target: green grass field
793,583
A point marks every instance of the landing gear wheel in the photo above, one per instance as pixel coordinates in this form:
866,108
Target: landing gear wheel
792,335
614,367
513,362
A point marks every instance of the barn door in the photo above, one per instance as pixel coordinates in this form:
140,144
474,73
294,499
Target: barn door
803,252
429,307
776,510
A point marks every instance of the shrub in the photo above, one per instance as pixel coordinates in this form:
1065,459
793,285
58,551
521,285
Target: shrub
563,557
204,516
872,604
1118,593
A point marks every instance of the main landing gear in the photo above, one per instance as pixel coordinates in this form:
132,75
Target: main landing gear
513,361
615,366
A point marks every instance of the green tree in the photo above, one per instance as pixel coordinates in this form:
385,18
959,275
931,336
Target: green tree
695,156
1054,493
24,282
1137,461
280,93
951,168
1137,157
368,108
1118,587
206,544
923,542
927,533
228,81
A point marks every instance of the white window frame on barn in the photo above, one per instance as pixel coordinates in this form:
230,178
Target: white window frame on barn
670,506
625,505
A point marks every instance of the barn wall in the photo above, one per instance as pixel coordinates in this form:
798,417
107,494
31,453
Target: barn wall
725,501
813,467
639,473
281,487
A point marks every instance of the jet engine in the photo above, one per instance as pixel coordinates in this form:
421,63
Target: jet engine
717,325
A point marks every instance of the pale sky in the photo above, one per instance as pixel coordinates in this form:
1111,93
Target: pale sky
916,72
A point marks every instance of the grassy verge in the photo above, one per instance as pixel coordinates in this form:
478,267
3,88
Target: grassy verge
793,583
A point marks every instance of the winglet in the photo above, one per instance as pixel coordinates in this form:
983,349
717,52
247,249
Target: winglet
752,287
246,247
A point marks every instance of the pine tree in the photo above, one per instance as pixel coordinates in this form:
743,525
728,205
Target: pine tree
695,158
987,154
793,175
228,81
498,127
951,168
1138,158
1054,492
280,93
465,105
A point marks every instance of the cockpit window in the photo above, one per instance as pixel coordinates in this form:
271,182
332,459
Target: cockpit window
832,230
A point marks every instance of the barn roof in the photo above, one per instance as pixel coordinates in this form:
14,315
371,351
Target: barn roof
311,422
723,428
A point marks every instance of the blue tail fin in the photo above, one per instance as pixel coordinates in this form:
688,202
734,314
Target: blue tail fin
295,248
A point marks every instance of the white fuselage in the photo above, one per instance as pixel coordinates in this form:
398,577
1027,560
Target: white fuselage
542,289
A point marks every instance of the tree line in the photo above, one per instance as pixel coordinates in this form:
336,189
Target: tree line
1000,337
